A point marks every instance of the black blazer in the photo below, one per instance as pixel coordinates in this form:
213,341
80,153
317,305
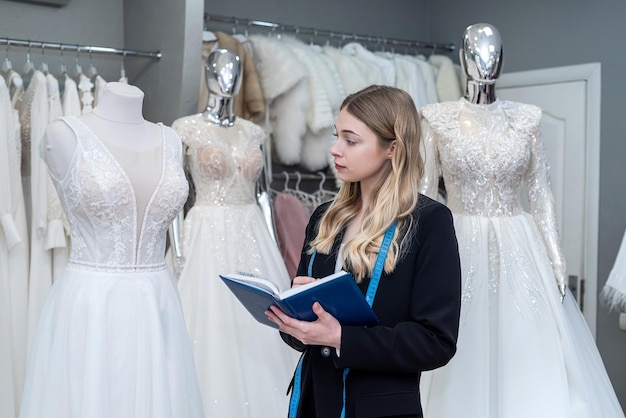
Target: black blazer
418,306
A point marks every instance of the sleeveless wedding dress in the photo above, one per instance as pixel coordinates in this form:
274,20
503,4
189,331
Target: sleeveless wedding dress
111,339
244,367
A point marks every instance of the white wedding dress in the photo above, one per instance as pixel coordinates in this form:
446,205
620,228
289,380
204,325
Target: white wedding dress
244,367
521,352
111,339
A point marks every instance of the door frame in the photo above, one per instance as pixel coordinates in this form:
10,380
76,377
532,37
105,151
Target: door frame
591,74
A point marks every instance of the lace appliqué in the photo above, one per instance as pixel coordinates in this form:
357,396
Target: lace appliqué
489,155
225,163
101,207
167,202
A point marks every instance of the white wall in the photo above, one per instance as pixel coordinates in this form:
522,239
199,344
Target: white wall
175,28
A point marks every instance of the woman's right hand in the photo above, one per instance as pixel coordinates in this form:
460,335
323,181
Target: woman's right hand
300,280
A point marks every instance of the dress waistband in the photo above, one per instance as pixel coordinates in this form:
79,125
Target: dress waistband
116,269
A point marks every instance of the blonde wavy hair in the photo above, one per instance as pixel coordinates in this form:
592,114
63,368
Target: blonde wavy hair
391,114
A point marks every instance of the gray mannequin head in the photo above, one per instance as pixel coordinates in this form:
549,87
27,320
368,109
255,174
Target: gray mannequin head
223,72
481,52
481,58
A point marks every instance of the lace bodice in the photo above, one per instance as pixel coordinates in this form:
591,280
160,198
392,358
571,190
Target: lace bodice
488,155
100,204
224,162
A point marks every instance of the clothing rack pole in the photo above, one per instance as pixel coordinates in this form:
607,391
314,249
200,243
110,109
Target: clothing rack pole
345,36
79,48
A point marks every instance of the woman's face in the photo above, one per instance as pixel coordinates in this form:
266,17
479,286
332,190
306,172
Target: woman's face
357,153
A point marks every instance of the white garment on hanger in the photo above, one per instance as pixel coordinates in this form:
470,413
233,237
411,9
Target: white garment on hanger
85,87
282,77
57,230
13,262
409,78
208,36
387,70
71,99
34,117
428,75
447,82
614,291
350,74
100,83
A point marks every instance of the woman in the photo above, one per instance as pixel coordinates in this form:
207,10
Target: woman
374,371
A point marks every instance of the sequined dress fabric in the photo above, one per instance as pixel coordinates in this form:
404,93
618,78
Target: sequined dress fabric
521,352
244,367
111,339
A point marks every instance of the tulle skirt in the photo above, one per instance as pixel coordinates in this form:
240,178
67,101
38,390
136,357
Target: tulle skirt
521,352
111,344
244,367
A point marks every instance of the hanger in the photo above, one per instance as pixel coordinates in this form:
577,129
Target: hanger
123,78
44,65
322,194
6,64
308,200
78,68
28,65
234,28
62,67
93,71
13,78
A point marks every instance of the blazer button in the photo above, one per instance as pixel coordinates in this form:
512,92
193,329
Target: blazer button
326,352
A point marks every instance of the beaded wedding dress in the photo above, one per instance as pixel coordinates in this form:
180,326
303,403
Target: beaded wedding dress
111,339
244,367
521,352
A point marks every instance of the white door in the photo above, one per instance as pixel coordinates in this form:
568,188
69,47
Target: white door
570,99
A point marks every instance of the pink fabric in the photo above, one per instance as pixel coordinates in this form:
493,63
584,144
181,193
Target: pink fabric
290,218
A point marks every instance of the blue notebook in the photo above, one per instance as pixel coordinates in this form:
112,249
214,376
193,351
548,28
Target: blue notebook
338,294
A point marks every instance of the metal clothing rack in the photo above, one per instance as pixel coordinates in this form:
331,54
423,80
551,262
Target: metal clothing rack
328,34
79,48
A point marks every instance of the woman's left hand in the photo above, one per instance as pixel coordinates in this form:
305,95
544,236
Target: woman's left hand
325,330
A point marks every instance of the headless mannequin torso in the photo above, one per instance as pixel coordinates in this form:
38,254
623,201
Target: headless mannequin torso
117,121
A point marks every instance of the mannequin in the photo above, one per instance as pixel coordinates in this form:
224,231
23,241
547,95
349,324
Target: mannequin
223,77
524,349
112,328
118,121
481,58
244,368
